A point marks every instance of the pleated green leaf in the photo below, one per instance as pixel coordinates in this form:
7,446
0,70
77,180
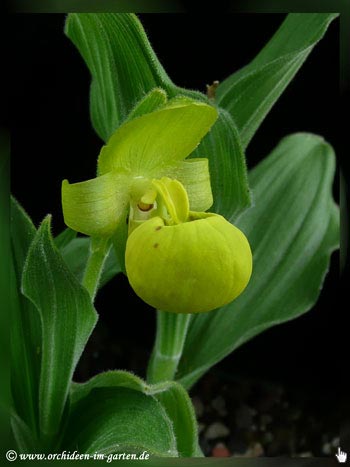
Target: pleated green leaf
292,229
116,420
67,319
227,167
250,93
115,412
123,65
25,325
171,395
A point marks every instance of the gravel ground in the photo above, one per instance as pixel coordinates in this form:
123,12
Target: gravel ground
256,418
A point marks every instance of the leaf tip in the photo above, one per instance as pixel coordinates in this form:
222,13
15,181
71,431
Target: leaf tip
67,22
45,226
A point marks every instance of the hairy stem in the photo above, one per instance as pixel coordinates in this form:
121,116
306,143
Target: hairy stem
168,347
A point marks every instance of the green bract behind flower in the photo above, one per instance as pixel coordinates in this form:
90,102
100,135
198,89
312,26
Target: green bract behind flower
147,147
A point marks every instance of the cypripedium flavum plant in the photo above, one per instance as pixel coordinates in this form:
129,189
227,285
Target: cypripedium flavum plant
178,258
173,207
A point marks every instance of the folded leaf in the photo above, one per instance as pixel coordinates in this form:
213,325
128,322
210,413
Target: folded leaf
67,318
115,378
180,410
292,229
113,413
172,396
25,325
250,93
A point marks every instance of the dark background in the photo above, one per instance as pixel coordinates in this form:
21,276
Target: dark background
52,139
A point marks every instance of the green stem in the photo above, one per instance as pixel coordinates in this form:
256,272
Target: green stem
168,347
99,249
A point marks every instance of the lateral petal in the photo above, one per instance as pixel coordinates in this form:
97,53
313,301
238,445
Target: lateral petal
95,207
195,177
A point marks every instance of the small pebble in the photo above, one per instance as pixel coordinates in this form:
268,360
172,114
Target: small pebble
217,430
255,450
220,450
327,449
306,454
335,442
